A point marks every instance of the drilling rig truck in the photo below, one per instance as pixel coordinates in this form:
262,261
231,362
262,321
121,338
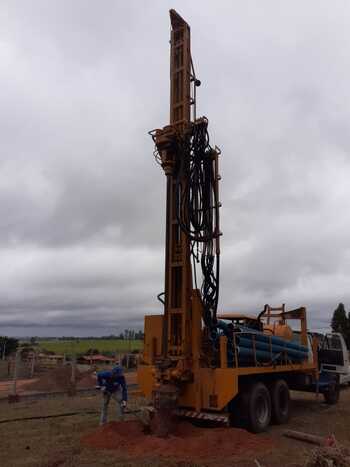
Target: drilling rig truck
198,363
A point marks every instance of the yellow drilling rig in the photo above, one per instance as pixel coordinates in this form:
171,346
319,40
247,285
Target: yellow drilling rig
197,363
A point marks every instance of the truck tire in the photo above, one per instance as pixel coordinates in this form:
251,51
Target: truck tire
331,397
258,408
280,401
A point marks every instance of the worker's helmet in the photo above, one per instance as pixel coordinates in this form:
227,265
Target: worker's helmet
117,370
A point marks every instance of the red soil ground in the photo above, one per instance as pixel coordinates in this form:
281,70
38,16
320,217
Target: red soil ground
187,442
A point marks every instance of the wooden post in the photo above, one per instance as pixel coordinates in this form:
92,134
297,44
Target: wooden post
14,397
14,390
307,437
73,376
32,365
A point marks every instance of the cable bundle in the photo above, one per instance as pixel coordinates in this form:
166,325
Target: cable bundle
197,211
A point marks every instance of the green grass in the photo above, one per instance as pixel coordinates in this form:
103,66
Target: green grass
82,346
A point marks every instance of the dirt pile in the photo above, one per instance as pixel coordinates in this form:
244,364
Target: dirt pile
187,443
86,380
59,379
336,456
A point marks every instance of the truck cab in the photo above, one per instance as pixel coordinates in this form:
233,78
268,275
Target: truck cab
333,356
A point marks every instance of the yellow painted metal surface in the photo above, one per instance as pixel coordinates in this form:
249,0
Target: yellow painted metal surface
253,370
218,385
153,338
280,330
221,382
146,380
212,385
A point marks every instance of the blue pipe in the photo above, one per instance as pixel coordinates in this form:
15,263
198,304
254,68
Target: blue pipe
247,343
248,339
283,342
277,340
246,355
249,353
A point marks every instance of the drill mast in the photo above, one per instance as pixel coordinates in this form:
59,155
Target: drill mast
178,274
192,219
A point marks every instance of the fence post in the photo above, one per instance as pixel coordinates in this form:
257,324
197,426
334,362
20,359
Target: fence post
74,374
14,396
32,366
74,367
15,374
4,350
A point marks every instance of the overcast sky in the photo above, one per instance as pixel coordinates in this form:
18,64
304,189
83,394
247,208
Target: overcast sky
82,202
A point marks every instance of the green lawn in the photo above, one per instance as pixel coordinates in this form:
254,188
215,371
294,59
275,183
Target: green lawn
82,346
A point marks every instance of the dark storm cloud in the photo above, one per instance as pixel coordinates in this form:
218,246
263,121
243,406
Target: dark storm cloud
81,200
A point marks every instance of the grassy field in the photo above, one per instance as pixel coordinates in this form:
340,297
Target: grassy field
82,346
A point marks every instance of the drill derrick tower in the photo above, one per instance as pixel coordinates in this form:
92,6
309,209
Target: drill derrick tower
192,225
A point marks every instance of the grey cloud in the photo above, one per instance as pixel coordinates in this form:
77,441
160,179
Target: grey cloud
82,203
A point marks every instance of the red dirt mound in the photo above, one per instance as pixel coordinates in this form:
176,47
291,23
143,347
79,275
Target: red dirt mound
55,380
187,443
59,379
86,380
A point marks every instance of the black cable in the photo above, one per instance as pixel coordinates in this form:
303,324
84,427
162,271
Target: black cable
159,297
196,208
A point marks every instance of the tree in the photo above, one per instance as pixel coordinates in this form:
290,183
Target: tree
26,351
341,322
139,335
8,345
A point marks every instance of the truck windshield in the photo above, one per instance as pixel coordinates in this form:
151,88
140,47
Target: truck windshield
334,342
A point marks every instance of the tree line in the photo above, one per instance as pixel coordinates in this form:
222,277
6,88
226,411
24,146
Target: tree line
8,345
341,323
128,334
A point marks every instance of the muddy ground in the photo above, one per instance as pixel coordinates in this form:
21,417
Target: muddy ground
56,442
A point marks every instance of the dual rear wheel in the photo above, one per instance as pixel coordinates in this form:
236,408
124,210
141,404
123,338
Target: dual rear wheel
260,404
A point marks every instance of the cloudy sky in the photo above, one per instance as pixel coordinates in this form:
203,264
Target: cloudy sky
81,199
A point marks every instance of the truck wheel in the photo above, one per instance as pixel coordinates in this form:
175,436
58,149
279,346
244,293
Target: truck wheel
331,396
259,408
280,401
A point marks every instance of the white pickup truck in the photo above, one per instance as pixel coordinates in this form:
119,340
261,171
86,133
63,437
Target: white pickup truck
333,356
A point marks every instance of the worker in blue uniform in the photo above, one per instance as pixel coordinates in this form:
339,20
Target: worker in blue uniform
112,384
